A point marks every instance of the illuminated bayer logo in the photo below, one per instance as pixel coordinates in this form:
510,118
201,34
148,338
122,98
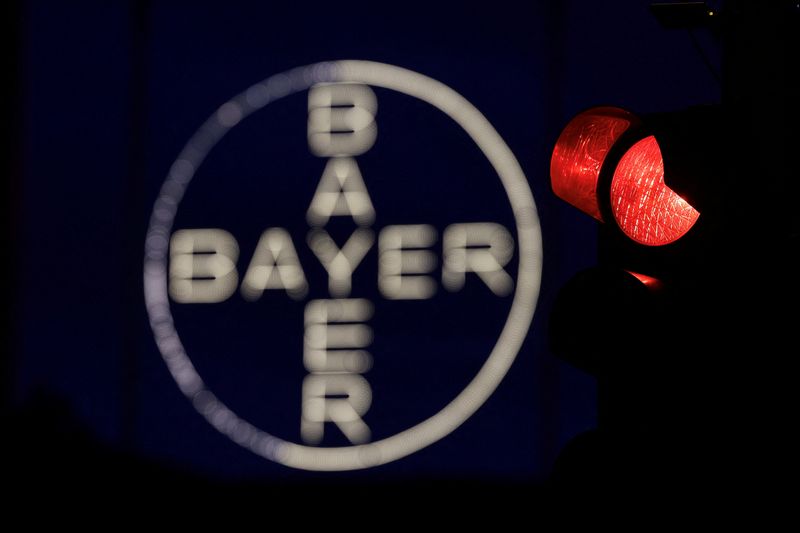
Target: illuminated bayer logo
339,287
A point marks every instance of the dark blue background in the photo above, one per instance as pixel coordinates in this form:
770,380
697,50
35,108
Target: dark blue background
113,91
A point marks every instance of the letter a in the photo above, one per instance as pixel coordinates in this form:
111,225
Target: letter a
274,266
341,192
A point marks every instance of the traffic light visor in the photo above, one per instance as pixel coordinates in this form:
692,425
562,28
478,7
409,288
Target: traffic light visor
580,152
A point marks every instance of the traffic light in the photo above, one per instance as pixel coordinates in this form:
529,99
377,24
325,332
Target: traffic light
638,321
688,320
684,319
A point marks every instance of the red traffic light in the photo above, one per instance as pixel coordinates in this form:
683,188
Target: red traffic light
645,209
607,144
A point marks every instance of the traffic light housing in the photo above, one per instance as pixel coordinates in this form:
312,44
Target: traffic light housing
639,320
693,365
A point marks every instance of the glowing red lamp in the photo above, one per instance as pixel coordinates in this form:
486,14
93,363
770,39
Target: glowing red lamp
645,209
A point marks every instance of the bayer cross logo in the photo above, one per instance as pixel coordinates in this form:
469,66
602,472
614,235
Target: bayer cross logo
199,267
